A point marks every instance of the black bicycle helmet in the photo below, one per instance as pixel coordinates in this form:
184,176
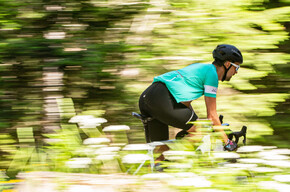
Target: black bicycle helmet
225,52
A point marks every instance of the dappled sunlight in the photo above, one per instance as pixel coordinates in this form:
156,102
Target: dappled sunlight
106,157
278,163
105,150
196,181
282,178
137,147
157,176
114,128
251,160
249,149
178,155
87,121
79,163
240,165
265,169
281,187
225,155
135,158
54,35
90,141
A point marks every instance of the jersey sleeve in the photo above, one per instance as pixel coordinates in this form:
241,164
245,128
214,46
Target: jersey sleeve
211,83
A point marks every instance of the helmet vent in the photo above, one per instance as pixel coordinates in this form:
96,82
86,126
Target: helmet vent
222,52
235,54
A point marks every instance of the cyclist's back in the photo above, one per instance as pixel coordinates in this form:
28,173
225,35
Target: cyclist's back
191,82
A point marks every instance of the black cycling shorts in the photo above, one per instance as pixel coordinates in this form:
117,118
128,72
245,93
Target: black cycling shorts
157,102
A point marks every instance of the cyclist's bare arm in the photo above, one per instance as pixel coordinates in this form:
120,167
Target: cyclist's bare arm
211,114
210,103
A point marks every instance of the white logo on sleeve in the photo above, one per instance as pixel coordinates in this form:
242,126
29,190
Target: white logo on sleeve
210,89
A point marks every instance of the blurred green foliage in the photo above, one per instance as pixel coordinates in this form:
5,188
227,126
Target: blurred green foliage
186,168
103,54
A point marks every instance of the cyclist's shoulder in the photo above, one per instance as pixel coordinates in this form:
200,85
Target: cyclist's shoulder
198,68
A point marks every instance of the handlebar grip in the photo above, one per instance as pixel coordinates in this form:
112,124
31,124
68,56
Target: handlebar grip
239,134
221,117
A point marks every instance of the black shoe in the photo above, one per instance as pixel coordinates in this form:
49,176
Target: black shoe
159,167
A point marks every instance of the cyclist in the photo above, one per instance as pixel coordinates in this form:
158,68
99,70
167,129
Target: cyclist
167,101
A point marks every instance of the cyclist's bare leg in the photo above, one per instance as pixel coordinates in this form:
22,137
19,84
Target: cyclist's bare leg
192,129
194,135
161,149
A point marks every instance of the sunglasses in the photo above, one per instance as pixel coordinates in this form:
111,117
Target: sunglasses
236,66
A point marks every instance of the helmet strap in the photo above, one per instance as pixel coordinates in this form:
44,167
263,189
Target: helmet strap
226,71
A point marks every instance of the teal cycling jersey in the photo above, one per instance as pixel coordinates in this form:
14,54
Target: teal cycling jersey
191,82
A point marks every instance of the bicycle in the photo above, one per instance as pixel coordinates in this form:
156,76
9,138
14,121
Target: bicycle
203,147
232,135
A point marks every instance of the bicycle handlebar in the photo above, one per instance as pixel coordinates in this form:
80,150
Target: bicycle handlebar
239,134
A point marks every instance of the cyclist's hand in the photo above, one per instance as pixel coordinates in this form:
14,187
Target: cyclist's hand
230,146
